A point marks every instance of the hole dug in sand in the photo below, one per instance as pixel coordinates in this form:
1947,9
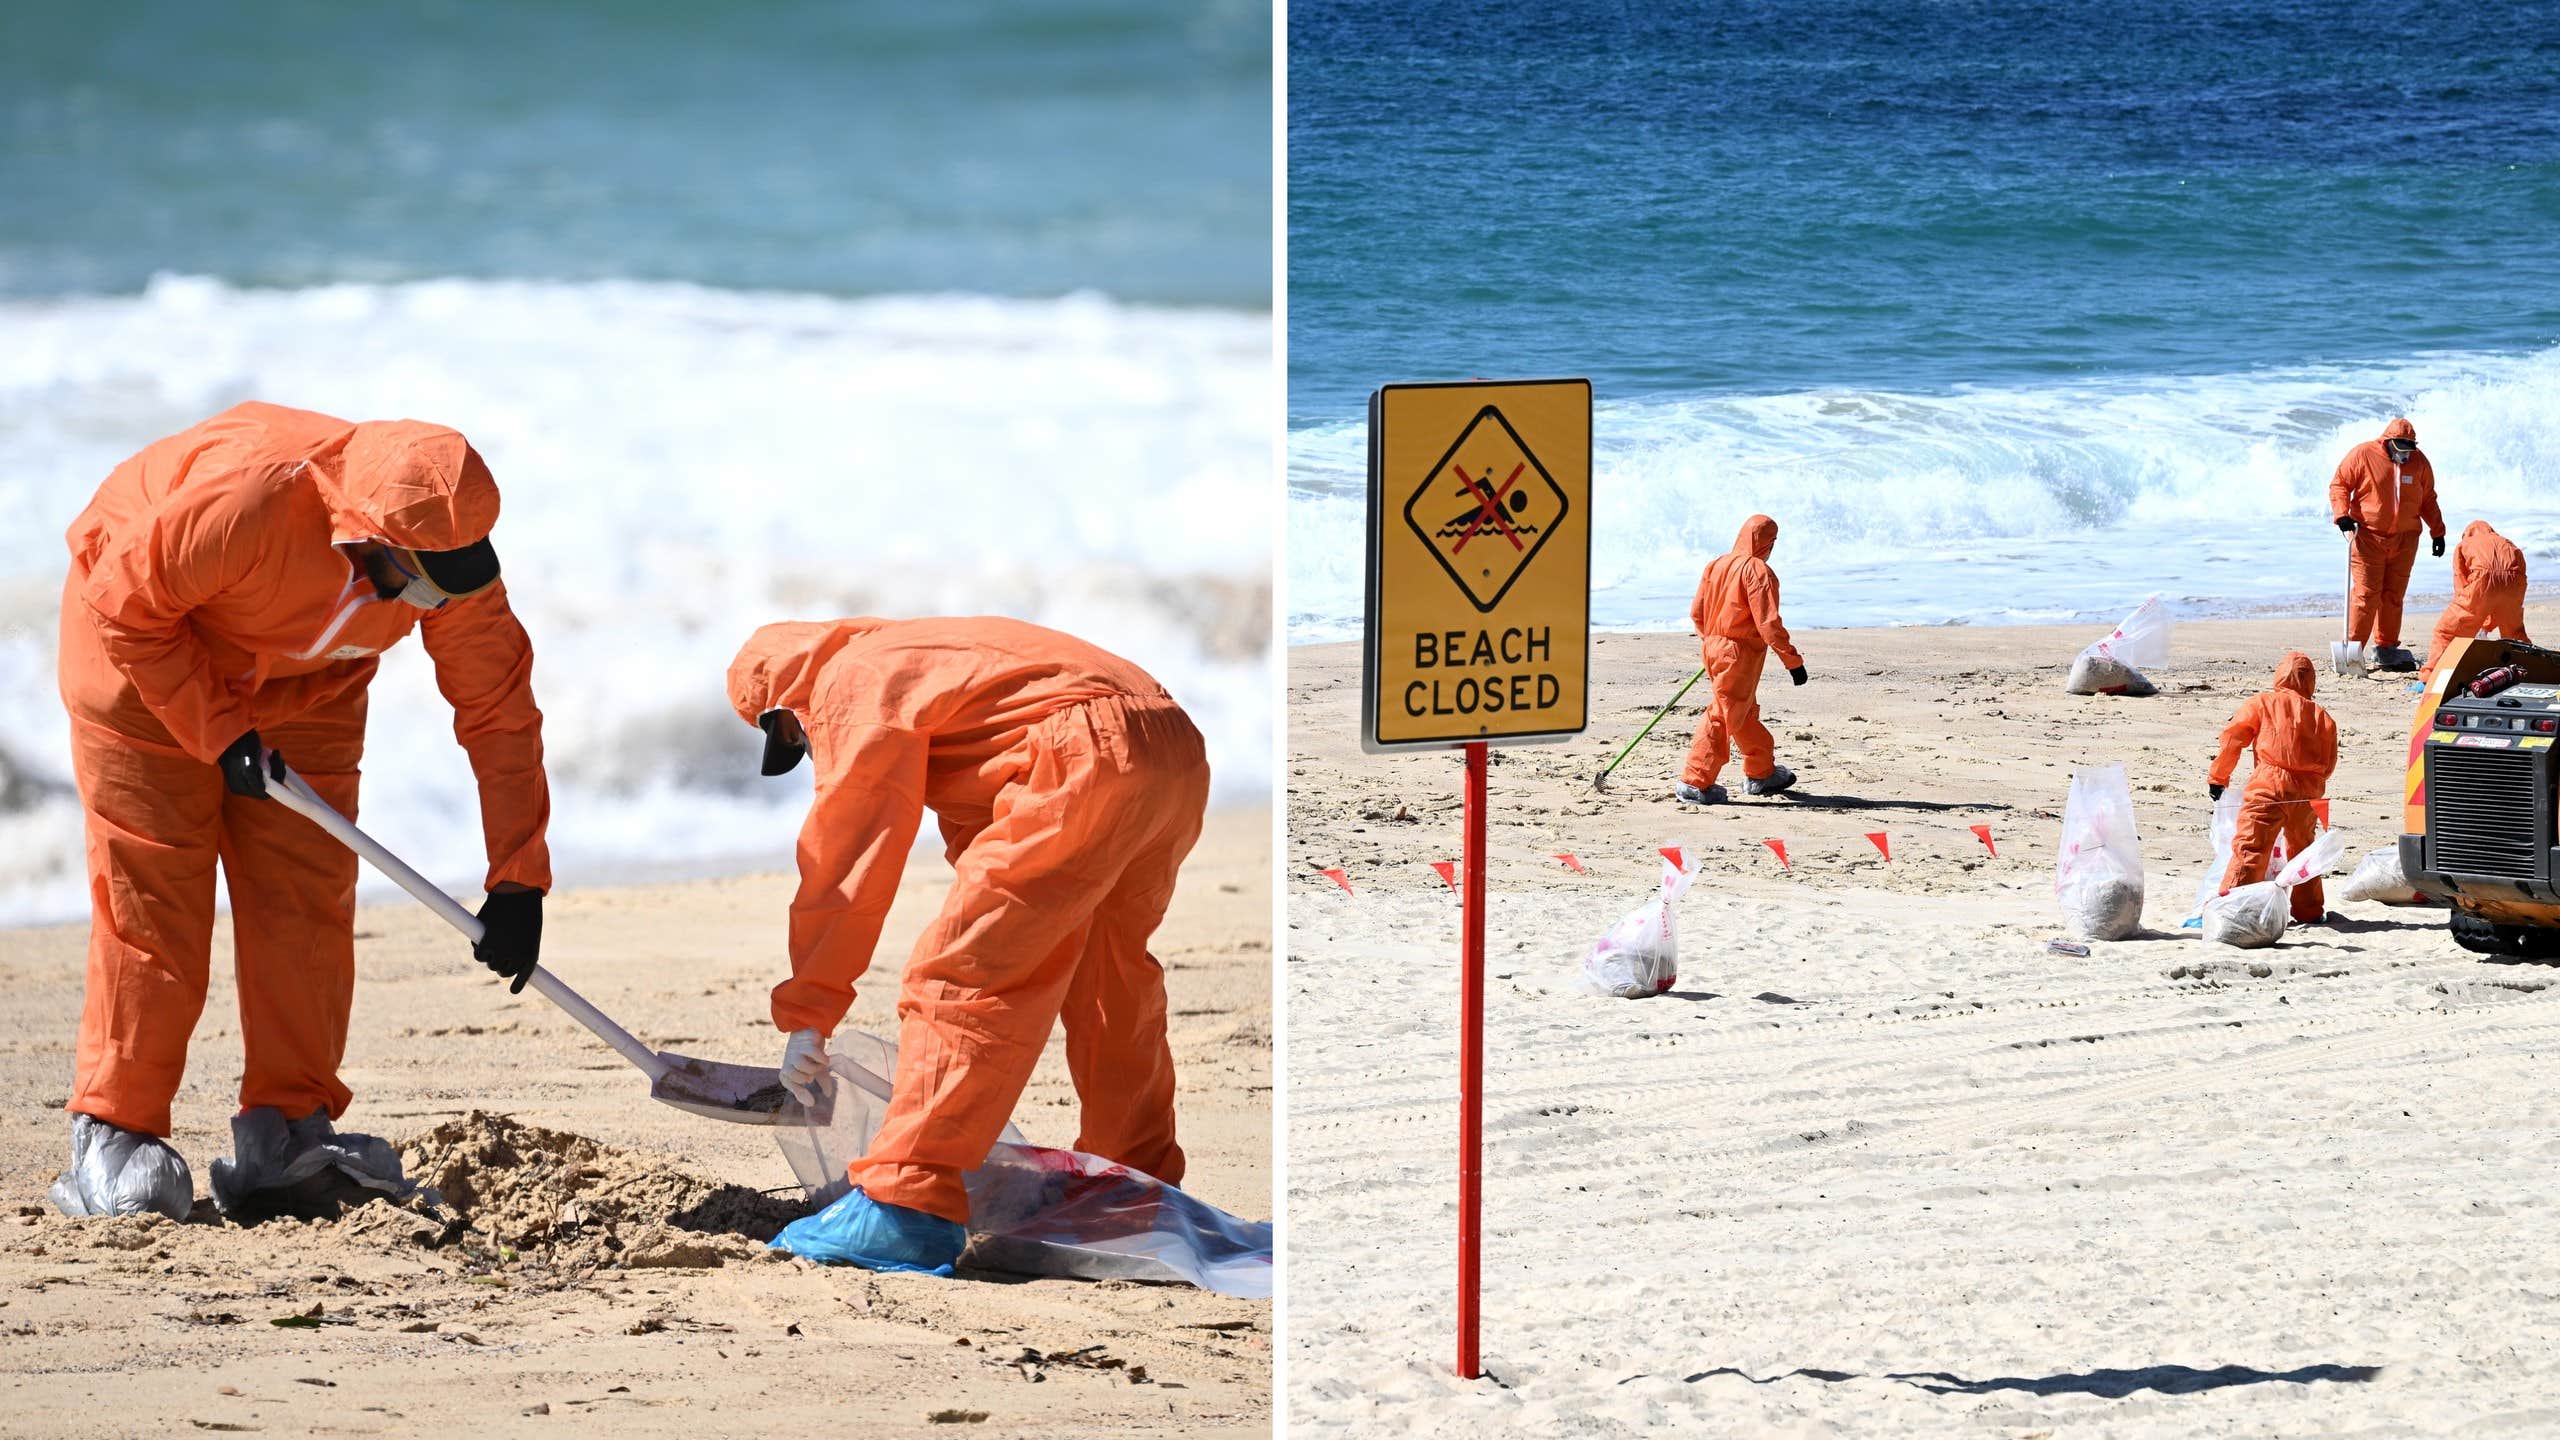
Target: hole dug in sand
519,1192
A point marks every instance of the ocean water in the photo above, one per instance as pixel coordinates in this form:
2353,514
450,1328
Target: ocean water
2007,312
963,310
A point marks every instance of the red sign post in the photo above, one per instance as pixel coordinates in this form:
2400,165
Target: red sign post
1471,1069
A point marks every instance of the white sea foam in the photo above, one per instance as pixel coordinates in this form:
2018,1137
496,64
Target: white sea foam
680,465
2001,505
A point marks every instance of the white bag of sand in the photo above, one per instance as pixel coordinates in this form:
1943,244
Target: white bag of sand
1640,956
2098,874
2113,665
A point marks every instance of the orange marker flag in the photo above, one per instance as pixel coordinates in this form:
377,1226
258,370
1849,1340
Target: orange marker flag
1571,863
1983,834
1337,877
1779,848
1672,854
2321,809
1876,838
1448,872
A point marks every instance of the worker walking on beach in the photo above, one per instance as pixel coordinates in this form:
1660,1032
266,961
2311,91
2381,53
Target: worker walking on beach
1735,615
2488,591
2381,494
1068,787
231,588
2296,745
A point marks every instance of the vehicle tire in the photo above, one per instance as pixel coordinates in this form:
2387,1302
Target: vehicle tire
2477,935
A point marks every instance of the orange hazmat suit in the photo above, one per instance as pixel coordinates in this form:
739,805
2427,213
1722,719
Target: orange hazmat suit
1068,787
2389,503
1736,616
205,599
2488,591
2297,748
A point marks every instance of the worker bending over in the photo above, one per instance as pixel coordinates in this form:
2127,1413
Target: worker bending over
231,588
1068,787
2382,493
2297,748
1736,617
2488,591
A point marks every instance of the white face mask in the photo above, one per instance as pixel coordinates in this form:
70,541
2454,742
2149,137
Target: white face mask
420,591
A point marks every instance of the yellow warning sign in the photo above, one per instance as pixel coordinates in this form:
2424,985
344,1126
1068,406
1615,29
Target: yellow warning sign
1479,614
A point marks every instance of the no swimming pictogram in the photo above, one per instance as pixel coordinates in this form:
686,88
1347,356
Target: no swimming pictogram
1487,508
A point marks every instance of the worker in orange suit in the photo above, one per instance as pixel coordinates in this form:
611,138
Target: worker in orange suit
2488,591
2382,493
1736,617
231,588
1069,787
2296,746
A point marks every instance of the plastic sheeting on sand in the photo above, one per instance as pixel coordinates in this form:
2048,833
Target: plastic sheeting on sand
1035,1210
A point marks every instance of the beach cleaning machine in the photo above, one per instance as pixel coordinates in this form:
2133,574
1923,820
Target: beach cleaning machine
2482,790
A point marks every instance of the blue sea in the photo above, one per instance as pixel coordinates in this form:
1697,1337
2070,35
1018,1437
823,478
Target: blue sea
758,311
2008,312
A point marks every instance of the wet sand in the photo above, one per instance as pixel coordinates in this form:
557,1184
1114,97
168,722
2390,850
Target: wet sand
141,1327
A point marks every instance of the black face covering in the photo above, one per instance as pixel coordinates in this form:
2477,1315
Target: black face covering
780,755
2400,450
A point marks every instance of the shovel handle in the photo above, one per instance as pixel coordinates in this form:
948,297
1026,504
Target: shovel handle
295,794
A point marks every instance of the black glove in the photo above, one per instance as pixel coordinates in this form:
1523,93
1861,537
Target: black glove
2346,525
1797,675
512,945
2213,790
242,771
2439,550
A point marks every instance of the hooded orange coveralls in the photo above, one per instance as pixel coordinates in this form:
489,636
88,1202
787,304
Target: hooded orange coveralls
205,600
2297,747
1736,617
1069,788
2488,591
2388,503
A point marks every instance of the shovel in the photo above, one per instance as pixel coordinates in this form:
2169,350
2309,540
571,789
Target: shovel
2348,657
744,1094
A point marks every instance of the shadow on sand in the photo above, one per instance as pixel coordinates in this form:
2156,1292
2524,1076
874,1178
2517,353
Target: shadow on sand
2107,1384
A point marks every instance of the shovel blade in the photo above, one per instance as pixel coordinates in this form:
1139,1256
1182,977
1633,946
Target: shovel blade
740,1094
2346,657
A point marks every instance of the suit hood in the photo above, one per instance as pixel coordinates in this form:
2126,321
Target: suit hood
405,483
2475,530
2400,429
1759,536
2294,673
777,669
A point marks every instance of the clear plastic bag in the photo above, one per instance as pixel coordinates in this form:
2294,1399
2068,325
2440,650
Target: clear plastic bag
1640,956
2379,878
2250,917
2114,664
2253,916
1039,1211
2098,874
1034,1210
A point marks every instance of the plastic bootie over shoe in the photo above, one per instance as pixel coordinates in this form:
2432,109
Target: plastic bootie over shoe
1776,780
858,1230
2394,659
303,1168
115,1171
1692,795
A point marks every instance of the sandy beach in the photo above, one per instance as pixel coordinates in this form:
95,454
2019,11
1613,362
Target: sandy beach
1880,1164
652,1310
